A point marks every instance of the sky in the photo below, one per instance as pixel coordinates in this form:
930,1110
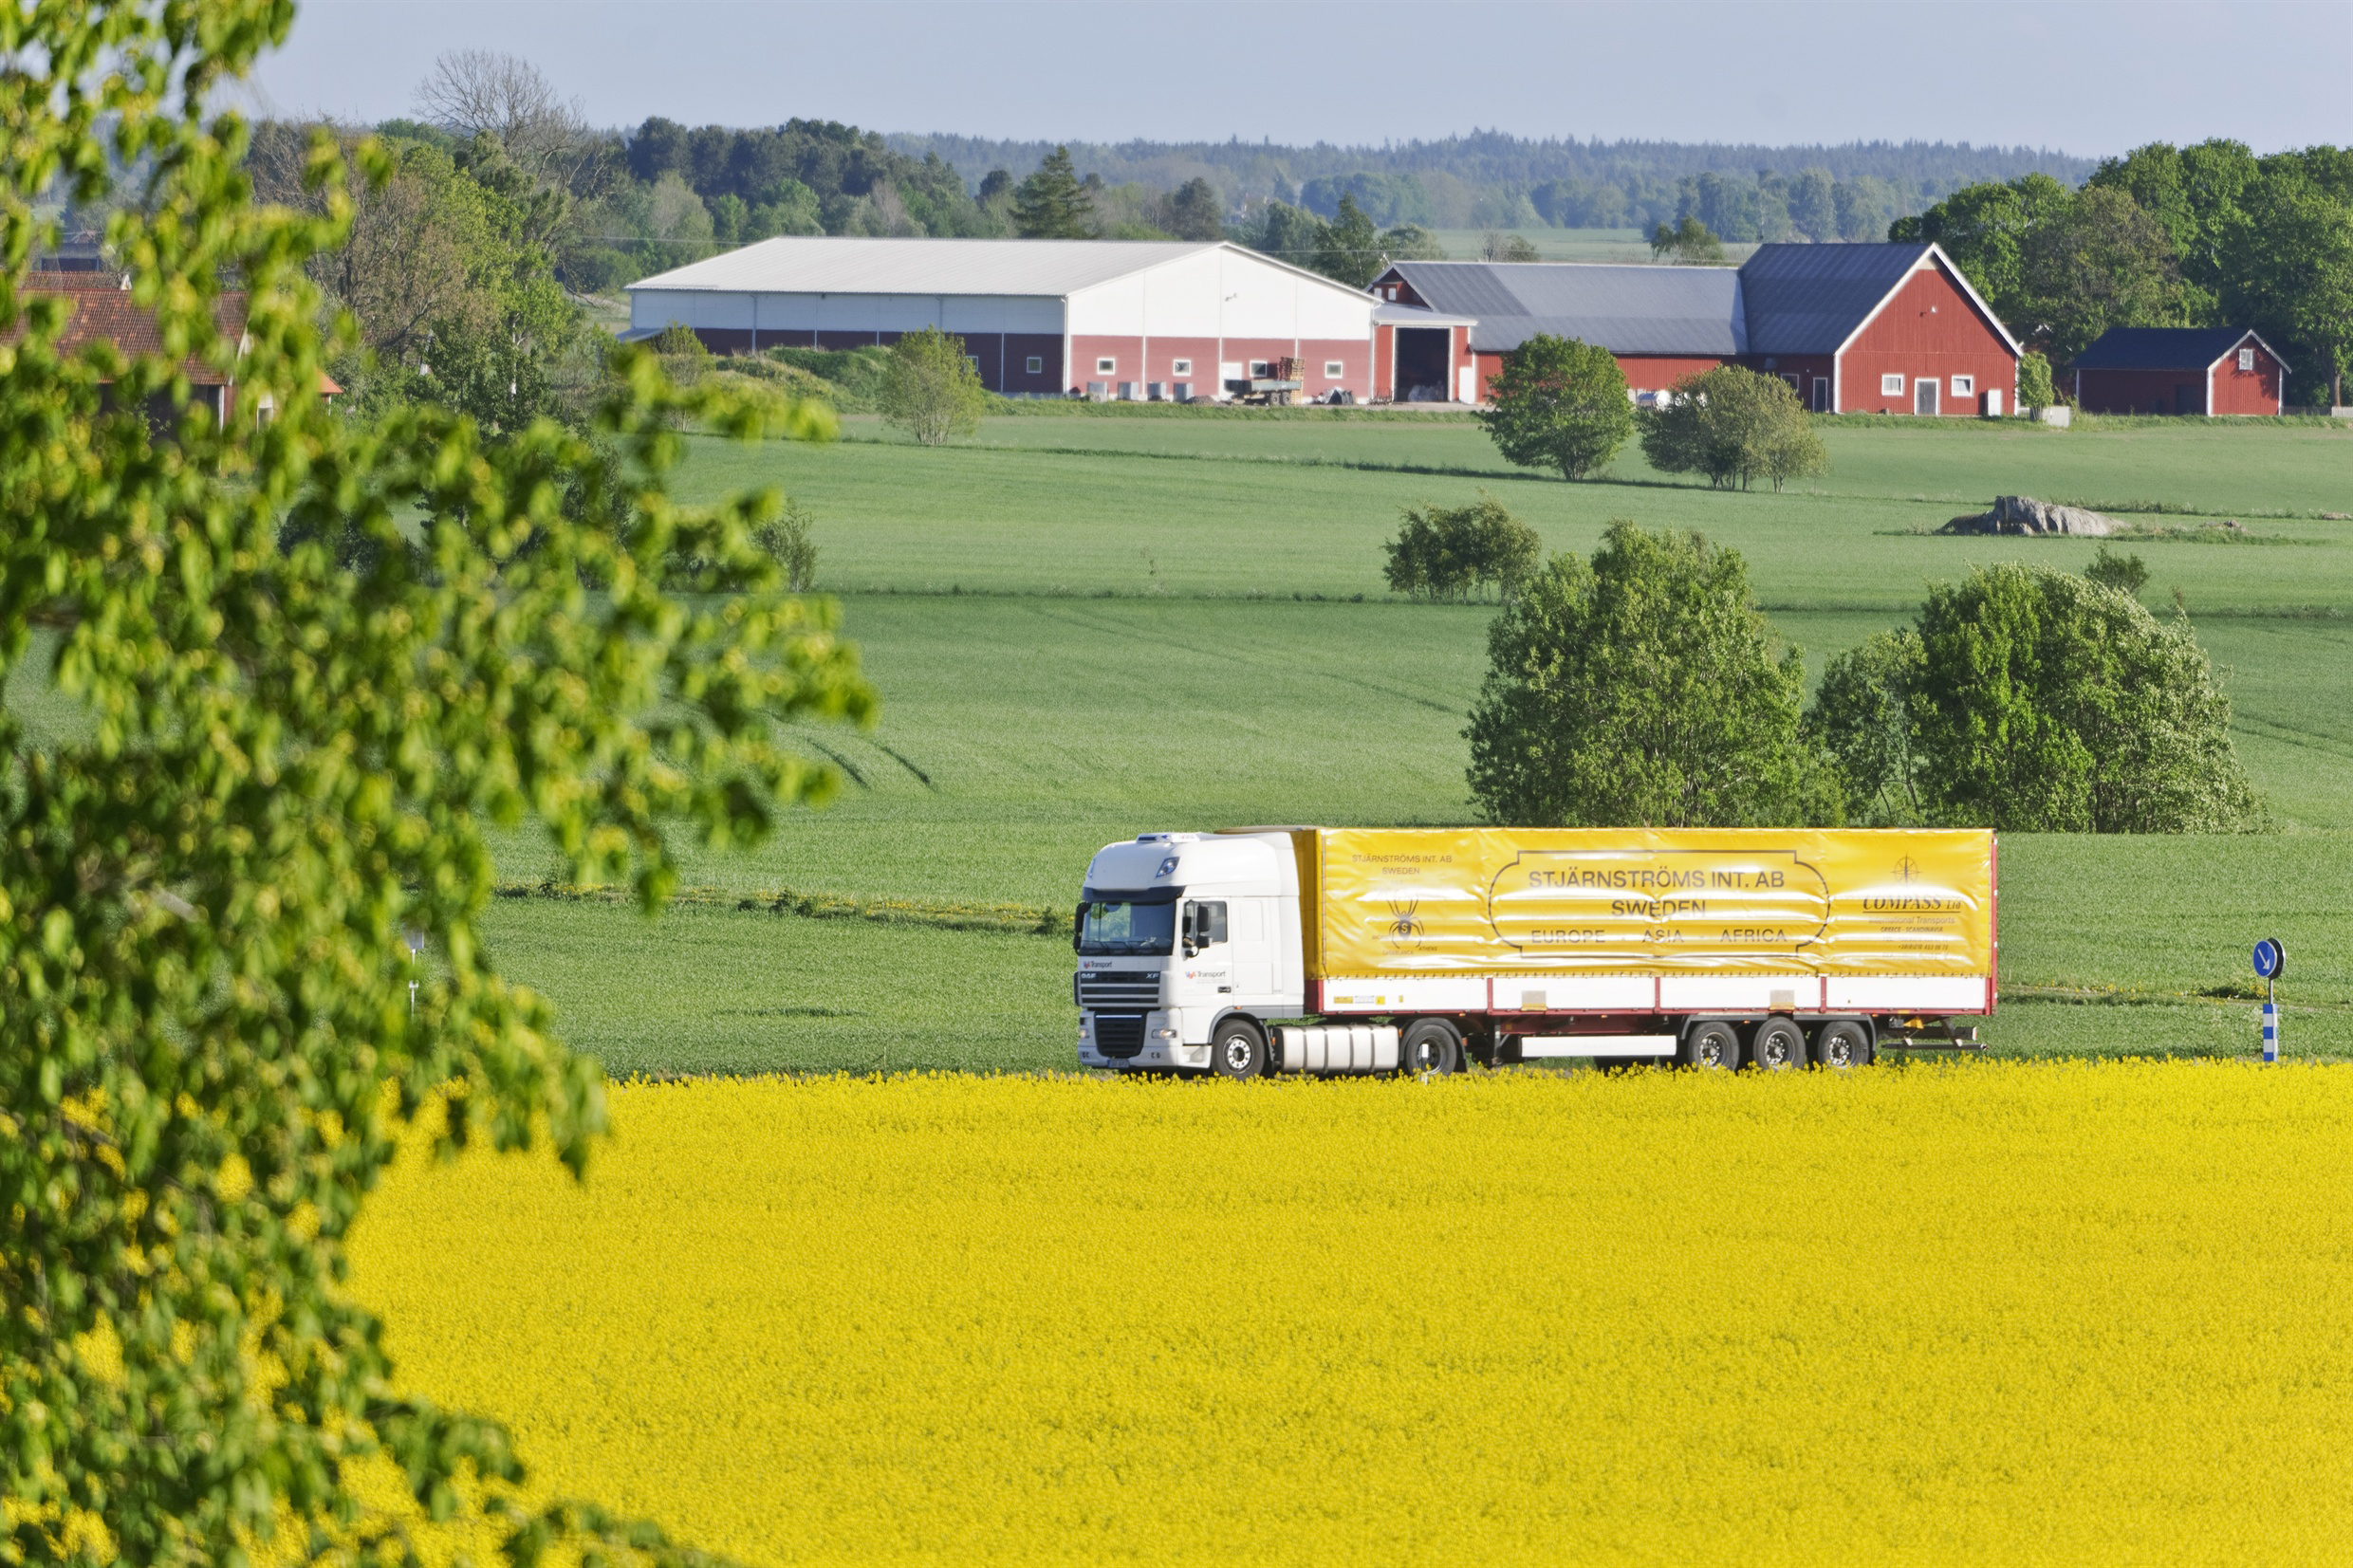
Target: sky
2080,76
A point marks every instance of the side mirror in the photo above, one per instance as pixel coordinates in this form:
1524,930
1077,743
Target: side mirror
1077,927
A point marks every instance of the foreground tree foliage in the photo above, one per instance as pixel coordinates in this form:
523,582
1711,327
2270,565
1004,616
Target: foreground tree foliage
2035,701
1645,688
1559,403
208,1048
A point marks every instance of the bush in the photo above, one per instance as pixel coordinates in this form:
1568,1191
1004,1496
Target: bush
1559,403
1644,689
786,540
678,340
2126,574
1730,424
930,390
1451,553
2035,701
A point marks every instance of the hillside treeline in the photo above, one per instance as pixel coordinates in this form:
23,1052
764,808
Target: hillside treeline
1490,180
2209,236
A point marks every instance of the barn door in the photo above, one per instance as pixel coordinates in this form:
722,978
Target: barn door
1821,395
1924,396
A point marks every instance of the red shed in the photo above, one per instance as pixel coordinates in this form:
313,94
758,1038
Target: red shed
2204,370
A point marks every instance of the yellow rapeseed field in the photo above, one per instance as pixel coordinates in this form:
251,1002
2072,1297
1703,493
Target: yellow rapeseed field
1979,1315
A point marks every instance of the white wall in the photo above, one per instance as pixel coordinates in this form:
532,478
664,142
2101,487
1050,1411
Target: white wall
1222,293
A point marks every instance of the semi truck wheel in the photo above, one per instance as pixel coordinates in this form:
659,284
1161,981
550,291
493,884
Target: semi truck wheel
1431,1046
1713,1047
1238,1050
1842,1045
1778,1046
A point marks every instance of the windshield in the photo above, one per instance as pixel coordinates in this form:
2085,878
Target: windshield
1127,928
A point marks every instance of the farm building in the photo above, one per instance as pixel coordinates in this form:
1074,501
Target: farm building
102,311
2180,370
1854,328
1117,318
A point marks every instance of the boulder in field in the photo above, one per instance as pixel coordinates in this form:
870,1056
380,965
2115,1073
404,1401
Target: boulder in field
2022,514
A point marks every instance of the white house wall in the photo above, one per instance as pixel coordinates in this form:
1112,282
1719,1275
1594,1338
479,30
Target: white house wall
964,314
1219,293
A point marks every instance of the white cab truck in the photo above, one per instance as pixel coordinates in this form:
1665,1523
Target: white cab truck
1330,950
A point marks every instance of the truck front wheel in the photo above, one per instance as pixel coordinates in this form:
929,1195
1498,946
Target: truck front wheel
1238,1050
1431,1046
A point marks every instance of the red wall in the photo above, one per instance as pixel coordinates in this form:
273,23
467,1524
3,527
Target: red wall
2257,391
1144,362
1927,329
1658,372
2141,391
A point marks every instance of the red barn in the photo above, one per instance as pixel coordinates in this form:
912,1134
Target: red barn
2204,370
1853,328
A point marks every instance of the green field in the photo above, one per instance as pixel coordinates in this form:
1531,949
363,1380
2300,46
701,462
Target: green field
1082,628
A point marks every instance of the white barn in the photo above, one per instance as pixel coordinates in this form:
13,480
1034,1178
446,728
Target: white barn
1112,318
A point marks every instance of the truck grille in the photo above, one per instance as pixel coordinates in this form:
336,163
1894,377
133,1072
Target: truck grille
1119,988
1118,1035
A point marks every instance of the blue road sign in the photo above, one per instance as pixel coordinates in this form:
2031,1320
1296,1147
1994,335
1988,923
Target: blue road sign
2270,958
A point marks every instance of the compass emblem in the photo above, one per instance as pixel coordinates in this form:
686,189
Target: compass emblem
1906,869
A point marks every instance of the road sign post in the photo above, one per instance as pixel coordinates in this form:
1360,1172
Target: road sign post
2270,958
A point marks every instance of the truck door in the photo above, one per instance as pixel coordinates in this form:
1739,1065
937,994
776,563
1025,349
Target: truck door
1208,953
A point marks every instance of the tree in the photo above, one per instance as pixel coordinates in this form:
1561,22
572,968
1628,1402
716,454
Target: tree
1052,204
2046,703
1733,424
1348,250
1813,206
1984,229
2100,262
1500,246
930,388
1559,403
1862,720
208,1051
1196,212
1645,689
1452,553
482,92
1409,242
2287,269
1688,243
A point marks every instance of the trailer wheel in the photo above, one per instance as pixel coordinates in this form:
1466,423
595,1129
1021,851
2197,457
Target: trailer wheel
1711,1047
1431,1046
1238,1050
1842,1045
1777,1047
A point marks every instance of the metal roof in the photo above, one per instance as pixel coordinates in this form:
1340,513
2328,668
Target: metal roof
1809,299
2164,347
819,264
1693,310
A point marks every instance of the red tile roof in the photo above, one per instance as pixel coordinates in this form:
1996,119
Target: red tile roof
102,311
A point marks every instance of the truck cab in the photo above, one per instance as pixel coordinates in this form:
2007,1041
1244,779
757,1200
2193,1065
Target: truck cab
1185,942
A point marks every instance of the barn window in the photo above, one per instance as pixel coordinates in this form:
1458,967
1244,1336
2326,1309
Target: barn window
1258,370
973,360
1104,367
1037,364
1181,367
2246,359
1891,386
1964,386
1333,367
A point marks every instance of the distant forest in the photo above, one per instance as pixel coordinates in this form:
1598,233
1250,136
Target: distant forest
1490,181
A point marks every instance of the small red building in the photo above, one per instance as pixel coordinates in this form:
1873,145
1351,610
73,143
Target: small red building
1852,328
2206,370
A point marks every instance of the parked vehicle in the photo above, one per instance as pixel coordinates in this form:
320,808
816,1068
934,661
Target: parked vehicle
1326,951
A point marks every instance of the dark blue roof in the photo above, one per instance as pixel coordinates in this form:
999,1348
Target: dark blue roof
2159,347
1808,299
1693,310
